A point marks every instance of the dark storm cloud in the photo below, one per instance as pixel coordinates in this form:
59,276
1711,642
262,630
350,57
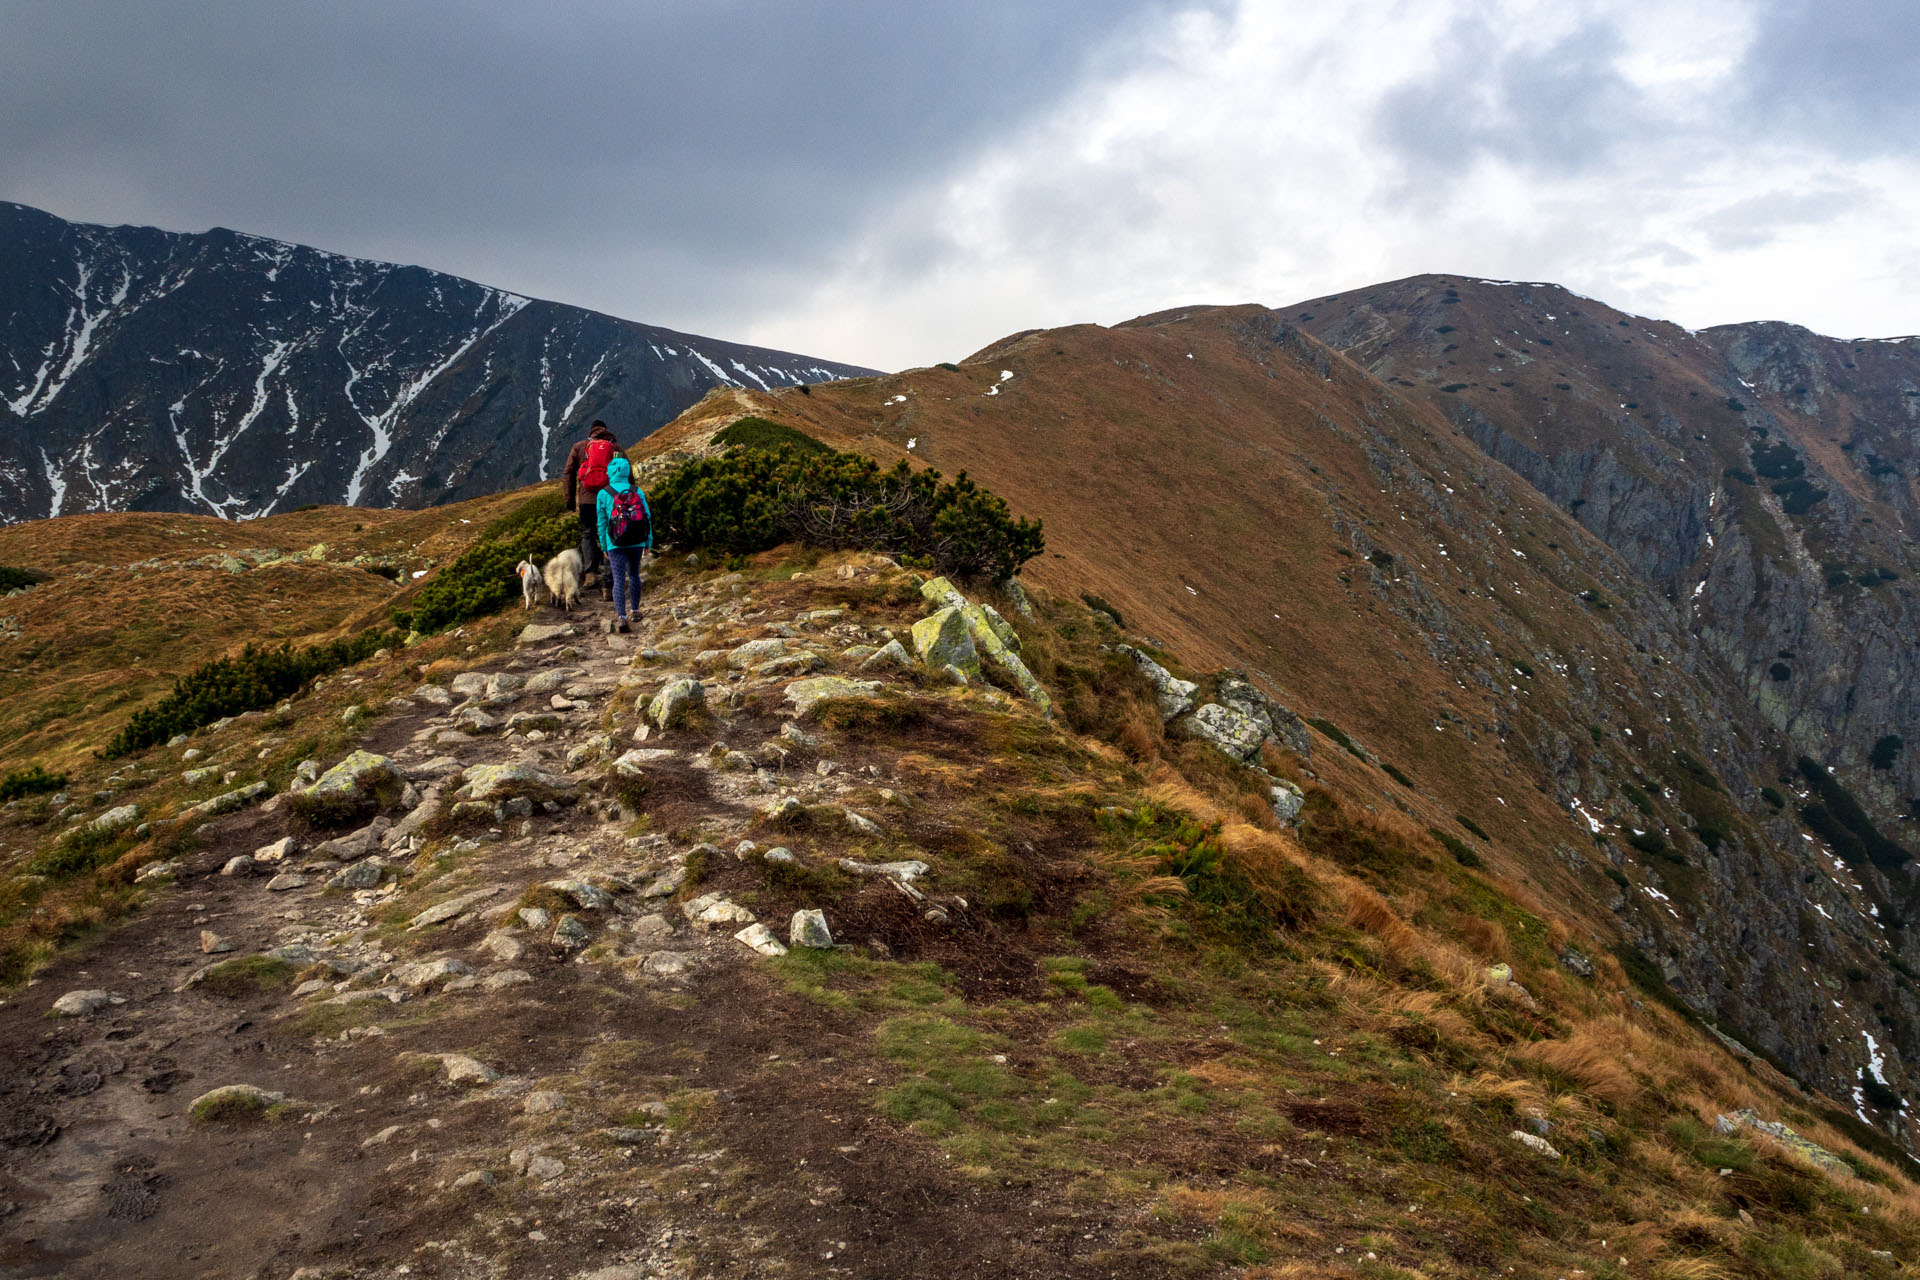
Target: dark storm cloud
1839,71
588,149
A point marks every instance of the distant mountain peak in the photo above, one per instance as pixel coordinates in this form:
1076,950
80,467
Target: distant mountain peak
240,375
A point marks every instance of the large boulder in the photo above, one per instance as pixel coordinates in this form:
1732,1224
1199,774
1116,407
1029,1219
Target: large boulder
1174,695
943,639
360,784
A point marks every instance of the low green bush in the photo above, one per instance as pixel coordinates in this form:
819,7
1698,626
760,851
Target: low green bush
1334,732
481,579
252,680
1462,852
1099,605
1839,819
751,500
1885,751
10,577
761,433
31,780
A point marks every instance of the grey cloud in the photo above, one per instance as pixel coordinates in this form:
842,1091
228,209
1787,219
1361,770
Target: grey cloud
729,141
1759,220
1840,72
1559,110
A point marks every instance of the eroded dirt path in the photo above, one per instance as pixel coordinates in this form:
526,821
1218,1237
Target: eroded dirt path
645,1097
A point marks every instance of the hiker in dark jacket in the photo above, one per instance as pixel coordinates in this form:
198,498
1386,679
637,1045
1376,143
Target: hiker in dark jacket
583,479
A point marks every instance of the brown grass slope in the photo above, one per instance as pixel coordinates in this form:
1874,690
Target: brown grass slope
132,601
1246,497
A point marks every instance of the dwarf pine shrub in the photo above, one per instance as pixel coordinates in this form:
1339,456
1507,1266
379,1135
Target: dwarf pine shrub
481,579
251,680
11,577
753,499
31,780
753,432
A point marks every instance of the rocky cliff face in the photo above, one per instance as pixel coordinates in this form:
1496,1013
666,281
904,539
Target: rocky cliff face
1759,482
1759,477
147,370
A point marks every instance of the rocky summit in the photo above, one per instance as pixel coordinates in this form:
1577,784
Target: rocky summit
146,370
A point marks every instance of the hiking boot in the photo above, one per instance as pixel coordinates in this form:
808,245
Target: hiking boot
621,626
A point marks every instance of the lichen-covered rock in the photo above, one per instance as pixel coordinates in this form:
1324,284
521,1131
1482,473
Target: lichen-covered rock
494,782
80,1004
585,896
229,801
1810,1151
985,626
537,633
1239,693
755,652
359,784
761,939
1234,732
1288,800
943,639
1174,695
116,819
891,656
809,929
674,703
806,694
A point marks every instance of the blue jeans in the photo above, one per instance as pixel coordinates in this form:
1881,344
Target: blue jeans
624,564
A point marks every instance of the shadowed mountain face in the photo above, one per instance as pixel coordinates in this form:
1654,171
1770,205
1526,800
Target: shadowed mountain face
224,373
1760,477
1500,603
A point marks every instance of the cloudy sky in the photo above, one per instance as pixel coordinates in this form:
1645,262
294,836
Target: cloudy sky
894,183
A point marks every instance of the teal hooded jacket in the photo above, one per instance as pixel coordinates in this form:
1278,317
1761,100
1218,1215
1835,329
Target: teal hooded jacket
620,480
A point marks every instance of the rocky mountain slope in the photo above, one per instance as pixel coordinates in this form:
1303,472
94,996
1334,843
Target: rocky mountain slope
1761,478
152,371
540,950
1247,496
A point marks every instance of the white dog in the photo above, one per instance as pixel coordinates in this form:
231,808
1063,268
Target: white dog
529,583
563,574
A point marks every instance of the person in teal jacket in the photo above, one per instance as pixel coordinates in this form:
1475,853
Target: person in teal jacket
626,530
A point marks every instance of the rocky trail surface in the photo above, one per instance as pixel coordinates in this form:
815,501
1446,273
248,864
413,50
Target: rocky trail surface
492,1031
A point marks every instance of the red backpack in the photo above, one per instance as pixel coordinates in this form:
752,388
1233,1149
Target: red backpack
629,523
593,468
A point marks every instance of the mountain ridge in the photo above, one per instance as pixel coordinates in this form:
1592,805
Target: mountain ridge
1254,498
242,375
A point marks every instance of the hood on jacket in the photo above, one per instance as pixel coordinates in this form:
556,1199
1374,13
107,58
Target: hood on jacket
620,474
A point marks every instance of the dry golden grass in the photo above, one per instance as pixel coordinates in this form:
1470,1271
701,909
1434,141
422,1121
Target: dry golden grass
1592,1055
1690,1269
1369,912
1485,938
